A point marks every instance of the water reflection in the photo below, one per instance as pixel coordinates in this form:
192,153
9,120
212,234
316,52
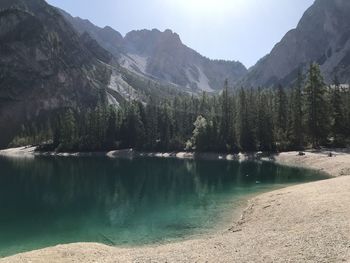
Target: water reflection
47,201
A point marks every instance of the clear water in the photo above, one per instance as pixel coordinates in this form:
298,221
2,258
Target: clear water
49,201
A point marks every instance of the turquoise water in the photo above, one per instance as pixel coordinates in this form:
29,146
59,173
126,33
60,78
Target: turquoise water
49,201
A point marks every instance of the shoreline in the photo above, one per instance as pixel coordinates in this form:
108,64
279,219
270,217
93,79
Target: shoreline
30,151
290,158
302,223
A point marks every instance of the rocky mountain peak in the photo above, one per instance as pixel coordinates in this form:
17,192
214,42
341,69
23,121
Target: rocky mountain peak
162,56
322,36
172,35
147,40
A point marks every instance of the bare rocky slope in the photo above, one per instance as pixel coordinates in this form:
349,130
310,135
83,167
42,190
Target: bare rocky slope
322,36
44,65
163,56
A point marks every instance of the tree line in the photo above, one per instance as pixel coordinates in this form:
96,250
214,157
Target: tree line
308,114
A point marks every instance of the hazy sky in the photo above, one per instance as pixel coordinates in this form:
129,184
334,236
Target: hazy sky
243,30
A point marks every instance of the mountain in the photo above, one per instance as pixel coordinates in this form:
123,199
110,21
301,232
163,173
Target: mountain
50,60
107,37
162,56
322,36
44,65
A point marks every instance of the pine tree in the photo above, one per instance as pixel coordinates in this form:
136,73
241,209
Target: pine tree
252,109
297,129
68,131
151,127
265,124
111,130
281,118
179,122
317,113
339,117
133,131
165,126
232,139
347,113
227,131
245,129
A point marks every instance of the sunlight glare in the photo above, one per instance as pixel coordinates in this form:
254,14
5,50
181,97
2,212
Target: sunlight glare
208,8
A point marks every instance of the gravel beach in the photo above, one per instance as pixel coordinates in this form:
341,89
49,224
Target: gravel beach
303,223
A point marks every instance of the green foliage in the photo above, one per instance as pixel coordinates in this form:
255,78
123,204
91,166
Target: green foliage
199,140
265,122
247,120
339,124
297,115
317,110
281,113
68,131
309,114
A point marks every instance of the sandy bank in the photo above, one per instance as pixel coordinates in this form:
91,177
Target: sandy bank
304,223
338,165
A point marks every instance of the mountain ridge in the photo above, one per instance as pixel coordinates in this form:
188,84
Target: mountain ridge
50,60
322,35
46,66
163,55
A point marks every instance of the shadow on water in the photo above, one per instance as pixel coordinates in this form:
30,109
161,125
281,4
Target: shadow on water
48,201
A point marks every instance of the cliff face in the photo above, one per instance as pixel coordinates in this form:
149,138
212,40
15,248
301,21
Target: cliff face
167,58
44,65
322,35
163,56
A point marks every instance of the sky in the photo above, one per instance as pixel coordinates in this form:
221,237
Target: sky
243,30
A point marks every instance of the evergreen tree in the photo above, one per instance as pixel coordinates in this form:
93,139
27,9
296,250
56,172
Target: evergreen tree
111,130
262,119
151,126
227,131
347,113
68,131
281,118
252,109
339,117
297,129
317,113
265,124
246,132
165,126
133,132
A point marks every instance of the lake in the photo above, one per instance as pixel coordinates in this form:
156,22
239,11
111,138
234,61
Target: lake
48,201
